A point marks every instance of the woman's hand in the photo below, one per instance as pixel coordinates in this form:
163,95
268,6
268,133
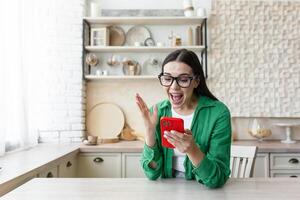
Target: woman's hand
185,143
150,120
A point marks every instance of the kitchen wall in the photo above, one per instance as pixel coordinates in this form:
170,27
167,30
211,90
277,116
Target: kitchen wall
264,83
253,64
62,101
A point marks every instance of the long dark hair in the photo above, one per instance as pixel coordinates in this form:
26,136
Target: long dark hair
191,59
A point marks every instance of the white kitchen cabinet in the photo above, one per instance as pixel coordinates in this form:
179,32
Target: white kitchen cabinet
261,165
49,173
102,165
131,167
67,169
285,164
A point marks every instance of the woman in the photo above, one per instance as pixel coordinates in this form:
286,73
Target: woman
203,151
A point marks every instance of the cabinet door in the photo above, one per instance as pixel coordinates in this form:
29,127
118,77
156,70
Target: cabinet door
285,173
67,169
49,173
261,166
104,165
131,167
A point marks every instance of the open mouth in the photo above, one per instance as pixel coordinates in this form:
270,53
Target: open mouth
176,98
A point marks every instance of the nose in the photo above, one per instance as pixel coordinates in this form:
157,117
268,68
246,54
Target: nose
175,85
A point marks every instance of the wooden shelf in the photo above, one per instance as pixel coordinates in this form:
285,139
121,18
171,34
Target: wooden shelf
120,77
145,20
140,49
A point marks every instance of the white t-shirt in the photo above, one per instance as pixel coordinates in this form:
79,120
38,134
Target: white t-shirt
179,157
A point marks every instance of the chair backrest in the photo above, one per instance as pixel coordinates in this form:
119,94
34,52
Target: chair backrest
242,161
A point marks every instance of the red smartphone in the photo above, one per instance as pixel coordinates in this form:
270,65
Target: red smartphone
168,124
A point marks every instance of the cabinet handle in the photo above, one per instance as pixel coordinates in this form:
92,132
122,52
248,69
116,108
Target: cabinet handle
69,164
293,176
98,160
294,161
49,175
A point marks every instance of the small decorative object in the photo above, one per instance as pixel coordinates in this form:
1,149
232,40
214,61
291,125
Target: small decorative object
198,35
190,36
257,129
91,59
152,66
127,133
100,36
188,8
98,72
178,41
171,39
114,60
95,10
201,12
288,132
137,34
159,44
137,44
149,42
116,36
91,140
131,68
104,72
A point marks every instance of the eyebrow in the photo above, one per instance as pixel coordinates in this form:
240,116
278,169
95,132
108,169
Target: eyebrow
179,74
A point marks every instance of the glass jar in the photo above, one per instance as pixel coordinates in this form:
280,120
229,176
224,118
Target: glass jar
258,129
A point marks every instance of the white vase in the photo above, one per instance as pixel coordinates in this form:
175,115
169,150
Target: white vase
95,10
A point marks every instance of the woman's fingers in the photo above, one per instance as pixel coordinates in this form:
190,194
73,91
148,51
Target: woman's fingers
181,141
143,107
141,101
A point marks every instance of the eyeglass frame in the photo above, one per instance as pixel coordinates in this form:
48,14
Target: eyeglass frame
176,79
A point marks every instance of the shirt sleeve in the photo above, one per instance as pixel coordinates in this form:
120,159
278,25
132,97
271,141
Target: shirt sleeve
151,154
213,171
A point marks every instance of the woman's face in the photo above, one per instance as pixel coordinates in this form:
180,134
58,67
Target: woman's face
180,95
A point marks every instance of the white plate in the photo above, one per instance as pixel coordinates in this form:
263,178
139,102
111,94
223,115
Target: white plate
137,34
105,120
152,68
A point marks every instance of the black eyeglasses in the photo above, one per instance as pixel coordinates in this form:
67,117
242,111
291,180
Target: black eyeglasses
183,81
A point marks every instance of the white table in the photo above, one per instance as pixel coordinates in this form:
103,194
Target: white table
173,189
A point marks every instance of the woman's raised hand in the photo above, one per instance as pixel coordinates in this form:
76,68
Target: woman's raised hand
150,119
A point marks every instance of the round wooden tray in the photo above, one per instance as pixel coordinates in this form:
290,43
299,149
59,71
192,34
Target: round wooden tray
105,120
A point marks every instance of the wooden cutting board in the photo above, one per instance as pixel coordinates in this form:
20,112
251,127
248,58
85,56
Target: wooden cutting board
105,120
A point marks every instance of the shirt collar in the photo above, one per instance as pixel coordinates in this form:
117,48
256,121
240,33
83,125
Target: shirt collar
203,102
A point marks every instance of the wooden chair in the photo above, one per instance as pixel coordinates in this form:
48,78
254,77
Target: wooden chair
242,161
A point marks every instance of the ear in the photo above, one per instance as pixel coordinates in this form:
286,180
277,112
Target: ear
196,83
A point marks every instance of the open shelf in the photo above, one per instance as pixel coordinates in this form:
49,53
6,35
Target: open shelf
145,20
140,49
120,77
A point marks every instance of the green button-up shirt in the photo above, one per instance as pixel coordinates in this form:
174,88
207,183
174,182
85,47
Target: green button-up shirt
211,128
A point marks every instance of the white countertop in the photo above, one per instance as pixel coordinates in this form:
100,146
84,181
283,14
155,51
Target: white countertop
28,161
140,188
270,146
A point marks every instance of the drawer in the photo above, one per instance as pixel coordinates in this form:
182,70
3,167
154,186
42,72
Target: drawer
100,165
285,161
285,173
